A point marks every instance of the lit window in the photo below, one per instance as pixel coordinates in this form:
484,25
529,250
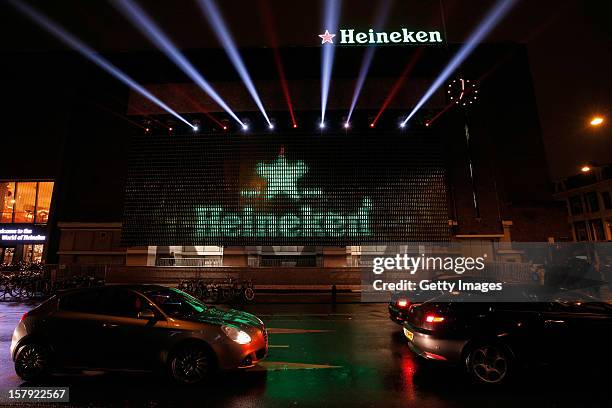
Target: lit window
45,191
25,202
7,201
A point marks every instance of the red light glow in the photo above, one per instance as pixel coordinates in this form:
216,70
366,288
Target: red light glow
434,356
433,319
402,303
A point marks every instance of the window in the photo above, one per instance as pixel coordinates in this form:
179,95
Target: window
576,205
592,201
581,231
25,204
607,200
33,253
45,190
7,201
107,301
597,230
89,301
176,303
123,303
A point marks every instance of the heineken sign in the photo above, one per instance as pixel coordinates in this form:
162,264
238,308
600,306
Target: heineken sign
350,36
281,181
284,190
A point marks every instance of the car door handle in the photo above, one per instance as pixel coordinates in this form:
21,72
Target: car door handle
110,325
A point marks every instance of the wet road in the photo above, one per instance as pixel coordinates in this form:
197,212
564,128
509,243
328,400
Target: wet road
323,355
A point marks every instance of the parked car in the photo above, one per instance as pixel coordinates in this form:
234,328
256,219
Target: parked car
491,340
135,327
401,301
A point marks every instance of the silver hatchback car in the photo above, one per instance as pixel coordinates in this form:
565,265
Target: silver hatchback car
135,328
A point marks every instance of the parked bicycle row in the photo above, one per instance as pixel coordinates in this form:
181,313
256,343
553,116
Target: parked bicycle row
229,290
26,281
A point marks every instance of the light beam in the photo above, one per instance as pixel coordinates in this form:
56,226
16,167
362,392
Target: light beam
273,40
87,52
332,14
145,24
213,15
379,23
483,29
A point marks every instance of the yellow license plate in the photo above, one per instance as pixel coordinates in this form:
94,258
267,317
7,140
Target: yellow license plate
409,335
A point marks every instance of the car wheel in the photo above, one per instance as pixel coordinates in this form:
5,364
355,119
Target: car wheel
191,364
249,294
489,364
33,361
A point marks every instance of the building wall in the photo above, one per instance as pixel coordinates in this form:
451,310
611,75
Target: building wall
91,244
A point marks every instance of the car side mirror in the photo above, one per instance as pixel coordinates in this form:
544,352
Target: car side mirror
146,314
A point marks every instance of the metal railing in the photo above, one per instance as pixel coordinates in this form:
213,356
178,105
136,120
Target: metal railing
193,262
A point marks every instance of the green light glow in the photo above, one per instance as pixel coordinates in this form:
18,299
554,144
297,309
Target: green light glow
282,176
214,221
281,180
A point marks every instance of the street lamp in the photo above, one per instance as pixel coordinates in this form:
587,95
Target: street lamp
597,121
585,169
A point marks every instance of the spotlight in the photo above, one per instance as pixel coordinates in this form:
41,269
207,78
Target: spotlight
213,15
91,55
322,125
402,125
149,28
331,16
196,128
245,127
147,130
170,129
224,124
585,169
271,126
347,125
381,17
295,125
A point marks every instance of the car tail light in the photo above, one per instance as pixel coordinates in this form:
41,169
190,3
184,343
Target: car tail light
403,303
434,318
434,356
23,317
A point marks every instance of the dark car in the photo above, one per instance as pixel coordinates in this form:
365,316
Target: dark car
401,301
135,327
491,340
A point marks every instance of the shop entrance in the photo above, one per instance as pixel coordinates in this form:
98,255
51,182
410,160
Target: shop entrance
26,253
7,255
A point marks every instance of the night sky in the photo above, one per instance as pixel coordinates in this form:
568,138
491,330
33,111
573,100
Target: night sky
568,41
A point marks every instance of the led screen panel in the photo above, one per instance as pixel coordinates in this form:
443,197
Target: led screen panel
277,190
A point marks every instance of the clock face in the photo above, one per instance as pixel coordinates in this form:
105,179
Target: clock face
463,92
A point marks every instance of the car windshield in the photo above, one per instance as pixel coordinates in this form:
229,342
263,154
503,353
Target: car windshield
173,302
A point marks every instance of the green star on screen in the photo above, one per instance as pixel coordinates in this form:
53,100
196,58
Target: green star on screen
282,176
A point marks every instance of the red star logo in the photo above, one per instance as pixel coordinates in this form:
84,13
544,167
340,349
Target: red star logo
327,37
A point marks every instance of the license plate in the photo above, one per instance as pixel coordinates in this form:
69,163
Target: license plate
409,335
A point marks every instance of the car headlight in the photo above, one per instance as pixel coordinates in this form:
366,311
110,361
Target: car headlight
237,335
